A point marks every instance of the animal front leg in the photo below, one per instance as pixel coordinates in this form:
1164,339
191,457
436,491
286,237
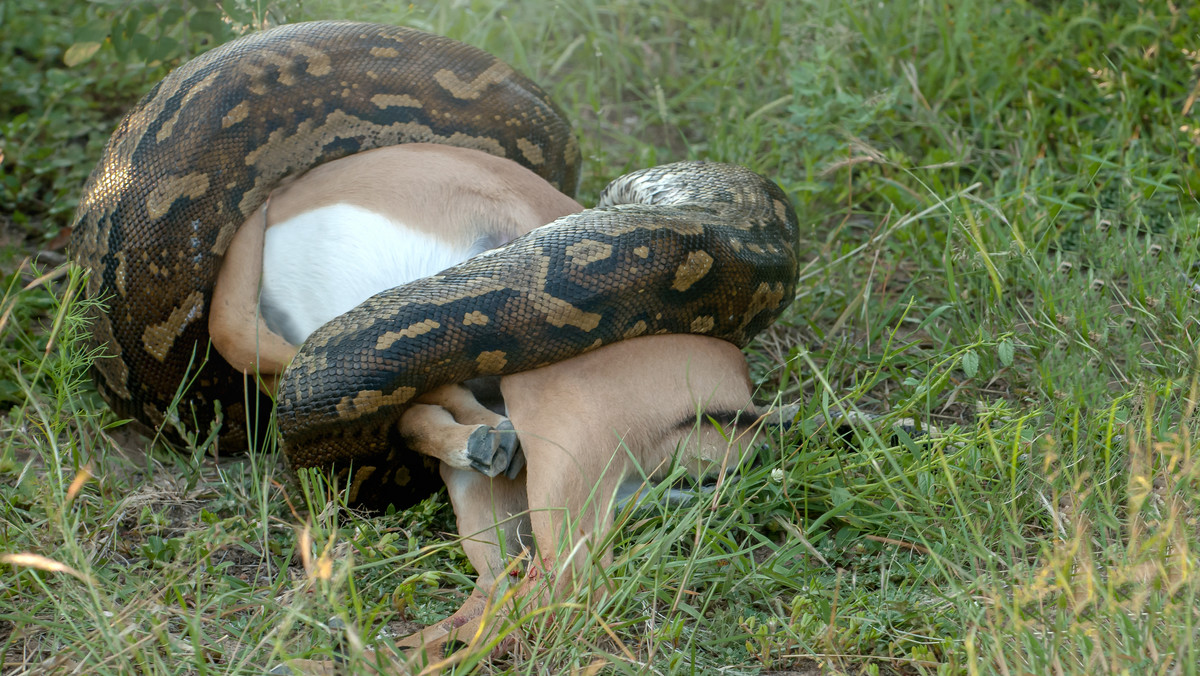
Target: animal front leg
567,520
494,526
569,511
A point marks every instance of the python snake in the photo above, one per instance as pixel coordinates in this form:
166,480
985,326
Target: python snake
684,248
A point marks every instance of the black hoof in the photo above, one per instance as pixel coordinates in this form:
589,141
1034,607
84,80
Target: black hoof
481,451
494,451
517,464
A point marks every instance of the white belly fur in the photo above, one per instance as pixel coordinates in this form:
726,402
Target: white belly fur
324,262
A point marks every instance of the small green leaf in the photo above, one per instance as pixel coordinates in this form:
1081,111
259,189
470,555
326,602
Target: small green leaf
79,53
1005,350
143,46
170,17
120,39
94,31
165,48
208,21
970,363
847,536
838,495
234,10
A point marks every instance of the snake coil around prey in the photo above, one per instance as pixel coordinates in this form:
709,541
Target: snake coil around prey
690,247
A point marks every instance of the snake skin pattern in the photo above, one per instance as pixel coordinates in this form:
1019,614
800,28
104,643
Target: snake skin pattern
685,248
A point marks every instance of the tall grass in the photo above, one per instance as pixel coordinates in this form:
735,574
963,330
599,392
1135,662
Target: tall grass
1001,241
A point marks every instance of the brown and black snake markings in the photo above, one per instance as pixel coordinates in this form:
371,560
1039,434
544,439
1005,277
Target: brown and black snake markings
684,248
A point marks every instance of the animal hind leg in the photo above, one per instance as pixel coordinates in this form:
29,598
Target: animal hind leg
450,425
466,409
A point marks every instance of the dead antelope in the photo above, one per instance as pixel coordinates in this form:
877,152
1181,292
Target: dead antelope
348,229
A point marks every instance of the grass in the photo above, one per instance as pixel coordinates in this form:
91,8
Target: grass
1002,242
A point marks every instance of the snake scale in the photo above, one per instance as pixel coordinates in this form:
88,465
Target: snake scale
691,247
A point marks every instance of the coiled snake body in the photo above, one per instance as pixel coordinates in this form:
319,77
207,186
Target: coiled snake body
683,248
